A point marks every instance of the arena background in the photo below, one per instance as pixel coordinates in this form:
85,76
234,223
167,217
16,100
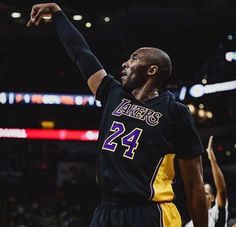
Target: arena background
49,180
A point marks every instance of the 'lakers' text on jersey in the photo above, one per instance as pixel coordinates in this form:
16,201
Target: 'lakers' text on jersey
139,112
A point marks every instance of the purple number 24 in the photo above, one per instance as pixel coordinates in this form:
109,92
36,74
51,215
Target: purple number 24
130,140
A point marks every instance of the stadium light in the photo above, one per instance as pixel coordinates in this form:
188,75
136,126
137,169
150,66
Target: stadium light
88,25
198,90
230,37
16,15
49,134
77,17
182,93
48,99
230,56
107,19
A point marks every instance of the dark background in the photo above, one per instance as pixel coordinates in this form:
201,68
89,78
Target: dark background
194,34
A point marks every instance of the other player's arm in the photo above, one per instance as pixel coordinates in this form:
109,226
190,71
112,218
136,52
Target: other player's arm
192,174
73,41
221,191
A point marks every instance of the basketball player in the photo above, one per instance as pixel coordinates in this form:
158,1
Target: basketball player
217,206
142,130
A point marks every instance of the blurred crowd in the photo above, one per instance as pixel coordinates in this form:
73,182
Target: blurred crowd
41,212
69,205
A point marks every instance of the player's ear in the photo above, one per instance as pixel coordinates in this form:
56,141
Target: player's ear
152,70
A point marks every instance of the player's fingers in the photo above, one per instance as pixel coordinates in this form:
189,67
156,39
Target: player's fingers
29,23
209,142
208,153
34,11
37,22
38,17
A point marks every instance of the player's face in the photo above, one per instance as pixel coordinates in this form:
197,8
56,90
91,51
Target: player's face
134,71
209,196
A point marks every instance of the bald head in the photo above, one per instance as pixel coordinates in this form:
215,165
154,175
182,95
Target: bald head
155,56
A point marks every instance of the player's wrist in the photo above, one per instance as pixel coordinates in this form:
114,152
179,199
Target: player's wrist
54,8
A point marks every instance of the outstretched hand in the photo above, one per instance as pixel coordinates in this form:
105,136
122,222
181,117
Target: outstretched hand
209,149
41,10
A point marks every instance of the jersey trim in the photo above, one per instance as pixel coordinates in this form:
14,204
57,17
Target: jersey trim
161,184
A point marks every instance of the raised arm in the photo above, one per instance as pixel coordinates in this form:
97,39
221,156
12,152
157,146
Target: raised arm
221,191
192,174
73,41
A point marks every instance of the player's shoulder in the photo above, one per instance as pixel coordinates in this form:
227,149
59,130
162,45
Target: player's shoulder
165,96
181,107
172,102
176,108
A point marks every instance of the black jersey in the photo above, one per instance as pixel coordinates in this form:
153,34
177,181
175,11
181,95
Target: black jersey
138,142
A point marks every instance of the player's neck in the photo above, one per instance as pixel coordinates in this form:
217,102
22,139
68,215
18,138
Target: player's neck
144,93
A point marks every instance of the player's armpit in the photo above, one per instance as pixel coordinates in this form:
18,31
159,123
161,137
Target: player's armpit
95,80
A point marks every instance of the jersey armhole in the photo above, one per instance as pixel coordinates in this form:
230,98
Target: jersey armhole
105,86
